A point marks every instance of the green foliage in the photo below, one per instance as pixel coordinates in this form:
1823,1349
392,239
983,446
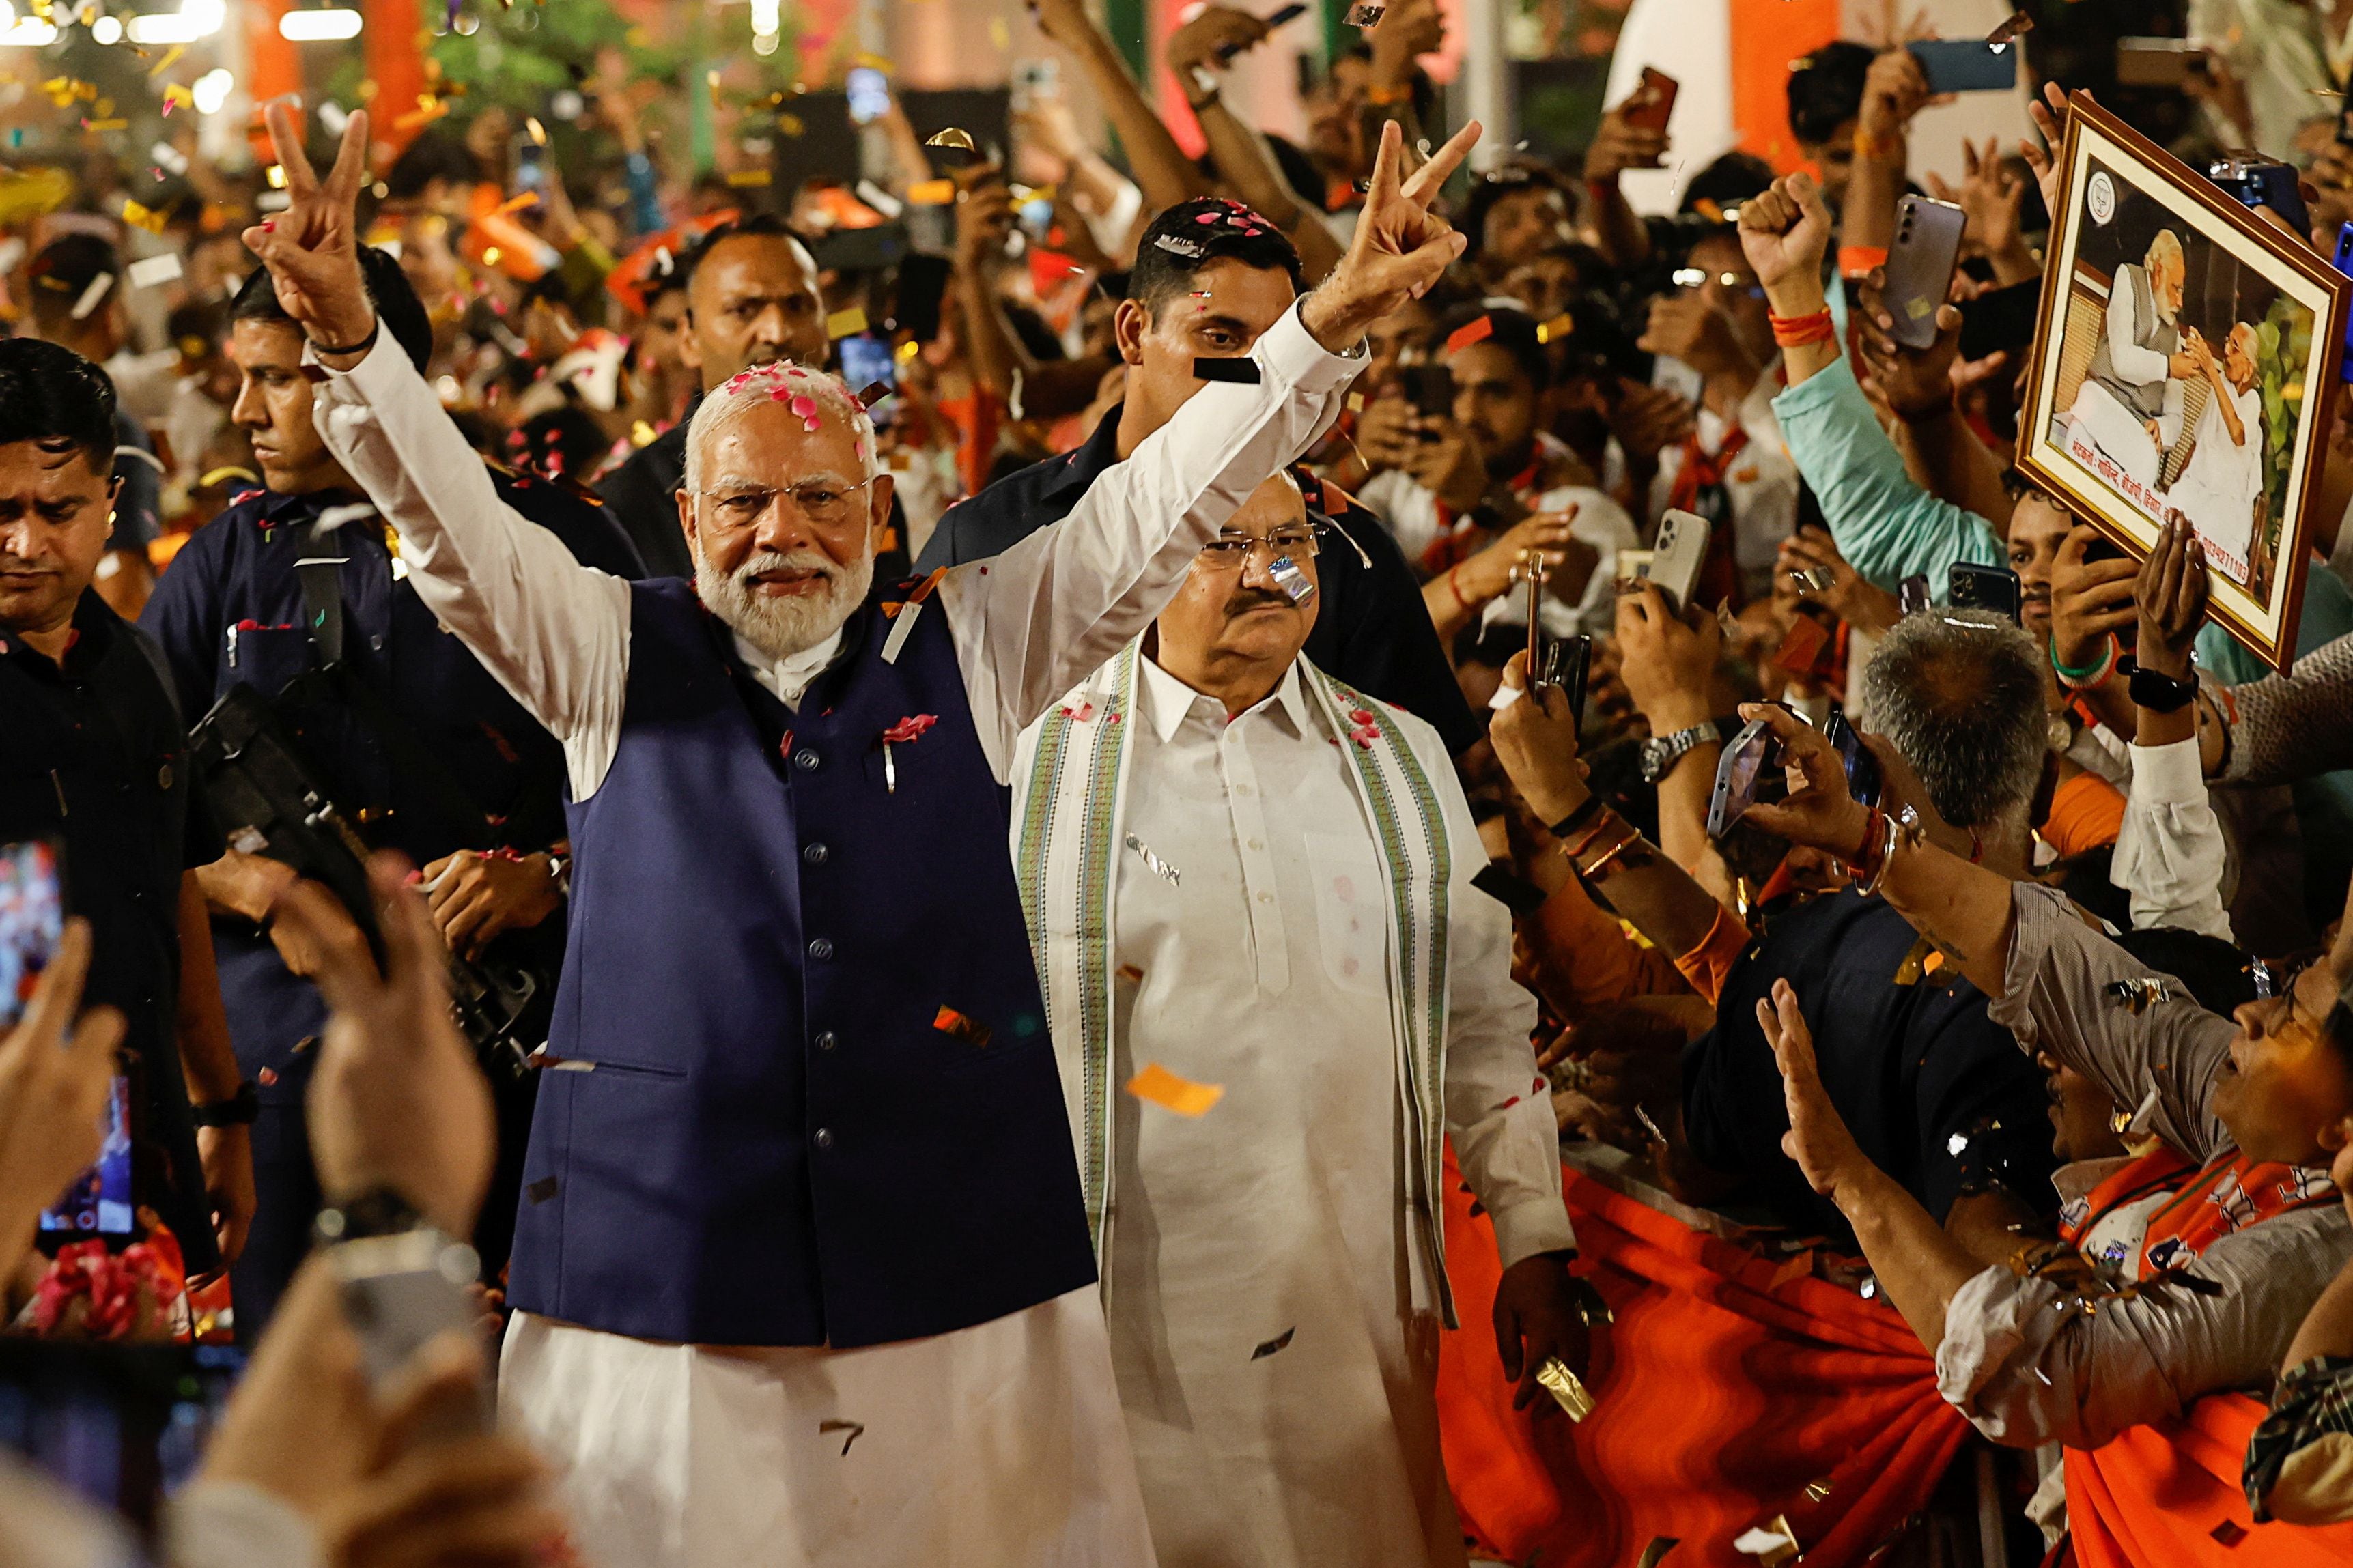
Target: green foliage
2282,352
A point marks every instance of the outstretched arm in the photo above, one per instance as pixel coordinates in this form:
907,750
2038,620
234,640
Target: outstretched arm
553,632
1033,622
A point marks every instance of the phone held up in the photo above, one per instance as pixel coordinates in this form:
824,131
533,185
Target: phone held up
1919,267
1970,587
1654,103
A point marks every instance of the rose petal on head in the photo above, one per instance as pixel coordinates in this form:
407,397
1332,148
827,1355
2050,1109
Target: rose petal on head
803,403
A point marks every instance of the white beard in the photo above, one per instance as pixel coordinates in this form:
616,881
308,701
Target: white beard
781,626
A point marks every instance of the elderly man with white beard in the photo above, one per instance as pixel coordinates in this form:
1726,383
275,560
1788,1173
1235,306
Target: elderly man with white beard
802,1270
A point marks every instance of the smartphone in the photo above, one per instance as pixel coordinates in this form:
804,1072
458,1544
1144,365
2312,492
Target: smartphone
1430,389
1919,268
529,164
1226,52
1509,888
870,94
1677,554
922,284
1970,587
868,249
1912,595
1738,772
2158,62
122,1425
400,1291
1567,663
1965,64
2003,318
98,1204
1034,79
2261,183
1863,778
1654,103
865,360
32,921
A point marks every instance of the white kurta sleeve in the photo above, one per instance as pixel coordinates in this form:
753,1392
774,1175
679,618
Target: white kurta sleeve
1033,623
1498,1106
553,632
2133,361
2170,855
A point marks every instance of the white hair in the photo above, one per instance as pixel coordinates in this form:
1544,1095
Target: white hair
813,393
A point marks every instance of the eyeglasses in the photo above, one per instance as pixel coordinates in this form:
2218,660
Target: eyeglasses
821,501
1231,551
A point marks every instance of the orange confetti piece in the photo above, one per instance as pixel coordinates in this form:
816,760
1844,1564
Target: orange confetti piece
517,203
1165,1088
971,1030
932,193
1469,332
743,179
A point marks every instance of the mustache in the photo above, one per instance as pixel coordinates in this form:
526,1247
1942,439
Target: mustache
760,561
16,564
1244,600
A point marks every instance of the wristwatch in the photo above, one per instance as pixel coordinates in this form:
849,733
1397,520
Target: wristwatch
379,1211
1660,754
240,1110
2158,692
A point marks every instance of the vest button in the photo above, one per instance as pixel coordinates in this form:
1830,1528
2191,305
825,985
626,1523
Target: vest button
824,1139
821,947
825,1040
815,854
804,758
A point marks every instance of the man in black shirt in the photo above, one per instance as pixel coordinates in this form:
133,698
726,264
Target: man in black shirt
1209,277
94,757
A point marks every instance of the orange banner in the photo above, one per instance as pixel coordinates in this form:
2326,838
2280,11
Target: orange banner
2170,1495
1767,34
1721,1392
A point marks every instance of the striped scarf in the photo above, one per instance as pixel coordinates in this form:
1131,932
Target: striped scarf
1070,780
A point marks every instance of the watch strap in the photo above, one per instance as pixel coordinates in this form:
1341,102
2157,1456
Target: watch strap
377,1212
240,1110
1661,753
2155,690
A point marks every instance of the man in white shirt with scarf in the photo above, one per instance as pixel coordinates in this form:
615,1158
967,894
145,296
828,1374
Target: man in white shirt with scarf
1242,873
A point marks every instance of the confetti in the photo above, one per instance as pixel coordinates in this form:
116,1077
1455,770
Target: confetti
171,57
1176,247
999,34
1657,1551
1775,1546
1817,1490
711,80
1153,862
1243,372
177,97
749,179
95,292
2017,26
1165,1089
1290,578
955,136
1131,973
1477,331
875,392
790,124
853,1427
2230,1532
154,269
1559,327
1366,16
538,131
972,1031
517,203
1274,1344
1356,403
1567,1389
932,193
846,324
106,125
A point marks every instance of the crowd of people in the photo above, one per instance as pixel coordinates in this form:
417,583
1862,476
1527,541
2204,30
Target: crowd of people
912,827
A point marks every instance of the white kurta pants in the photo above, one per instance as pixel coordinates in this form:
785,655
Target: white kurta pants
2118,431
1000,1446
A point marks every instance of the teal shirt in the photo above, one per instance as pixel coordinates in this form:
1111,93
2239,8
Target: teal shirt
1888,528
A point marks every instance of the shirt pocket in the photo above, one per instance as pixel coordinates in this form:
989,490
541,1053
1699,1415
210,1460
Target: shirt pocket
1352,911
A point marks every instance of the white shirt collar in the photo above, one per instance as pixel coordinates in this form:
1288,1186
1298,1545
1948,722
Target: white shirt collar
788,678
1168,701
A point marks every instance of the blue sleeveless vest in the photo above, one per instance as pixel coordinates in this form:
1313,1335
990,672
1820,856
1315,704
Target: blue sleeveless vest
808,1096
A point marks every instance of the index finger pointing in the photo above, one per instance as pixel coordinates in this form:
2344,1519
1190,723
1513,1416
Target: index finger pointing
1422,188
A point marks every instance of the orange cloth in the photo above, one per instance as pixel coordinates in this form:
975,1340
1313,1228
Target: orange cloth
1706,965
1585,960
1720,1396
2086,811
1764,36
2156,1494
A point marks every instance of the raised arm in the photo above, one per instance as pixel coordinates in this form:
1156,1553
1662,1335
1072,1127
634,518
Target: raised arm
1033,622
1166,175
553,632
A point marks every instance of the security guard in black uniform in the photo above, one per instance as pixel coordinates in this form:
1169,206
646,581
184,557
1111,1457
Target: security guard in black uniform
430,752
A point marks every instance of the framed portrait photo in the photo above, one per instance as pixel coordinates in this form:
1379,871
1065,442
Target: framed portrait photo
2186,358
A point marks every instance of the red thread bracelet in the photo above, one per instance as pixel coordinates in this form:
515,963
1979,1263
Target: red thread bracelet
1797,331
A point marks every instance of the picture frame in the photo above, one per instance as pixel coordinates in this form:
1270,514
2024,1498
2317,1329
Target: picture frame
2204,388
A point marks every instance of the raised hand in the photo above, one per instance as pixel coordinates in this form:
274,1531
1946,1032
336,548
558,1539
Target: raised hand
2090,600
1916,383
55,1066
2049,117
1536,740
2171,592
1400,247
1818,1138
312,247
1818,812
1784,232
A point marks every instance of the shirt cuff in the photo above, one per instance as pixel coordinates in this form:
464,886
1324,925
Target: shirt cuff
2169,774
236,1524
1290,351
1539,1225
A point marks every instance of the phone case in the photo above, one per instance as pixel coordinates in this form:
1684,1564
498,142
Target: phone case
1654,102
1920,267
1677,554
1966,65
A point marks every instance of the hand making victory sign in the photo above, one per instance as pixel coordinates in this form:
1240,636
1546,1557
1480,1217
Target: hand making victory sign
312,247
1400,247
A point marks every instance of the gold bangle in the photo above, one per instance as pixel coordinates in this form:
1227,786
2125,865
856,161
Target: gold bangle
1633,836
